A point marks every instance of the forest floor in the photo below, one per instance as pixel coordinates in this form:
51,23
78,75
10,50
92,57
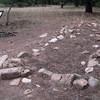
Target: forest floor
63,56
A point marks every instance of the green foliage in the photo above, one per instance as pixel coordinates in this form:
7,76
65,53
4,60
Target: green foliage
38,2
97,3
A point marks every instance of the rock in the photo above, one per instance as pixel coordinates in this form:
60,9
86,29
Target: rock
83,63
85,52
98,53
60,37
5,64
67,79
15,60
26,80
36,52
24,54
53,40
44,71
92,62
94,24
56,48
95,46
94,30
97,38
29,96
80,83
10,73
11,65
28,91
46,44
93,82
78,33
43,35
15,82
55,90
42,49
70,30
89,69
38,86
92,35
93,56
3,59
26,73
72,36
56,77
62,30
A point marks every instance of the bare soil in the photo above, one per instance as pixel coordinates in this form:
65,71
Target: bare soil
29,24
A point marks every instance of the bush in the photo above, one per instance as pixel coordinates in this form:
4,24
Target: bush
98,4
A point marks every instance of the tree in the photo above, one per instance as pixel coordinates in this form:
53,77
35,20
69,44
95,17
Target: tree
76,2
8,13
88,6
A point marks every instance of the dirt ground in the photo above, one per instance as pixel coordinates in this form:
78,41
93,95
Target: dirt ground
28,24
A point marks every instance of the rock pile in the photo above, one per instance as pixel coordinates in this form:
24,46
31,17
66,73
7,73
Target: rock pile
11,68
74,80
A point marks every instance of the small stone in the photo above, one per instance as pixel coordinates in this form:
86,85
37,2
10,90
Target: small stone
91,35
70,30
94,30
44,71
24,54
42,49
98,39
56,77
95,46
36,52
28,91
56,48
85,52
26,80
55,89
98,53
26,73
94,24
78,33
80,83
89,69
46,44
53,40
72,36
83,63
29,96
92,62
15,82
93,82
60,37
43,35
3,59
38,86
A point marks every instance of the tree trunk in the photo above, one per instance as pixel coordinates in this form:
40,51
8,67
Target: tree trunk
62,5
76,2
8,15
88,6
